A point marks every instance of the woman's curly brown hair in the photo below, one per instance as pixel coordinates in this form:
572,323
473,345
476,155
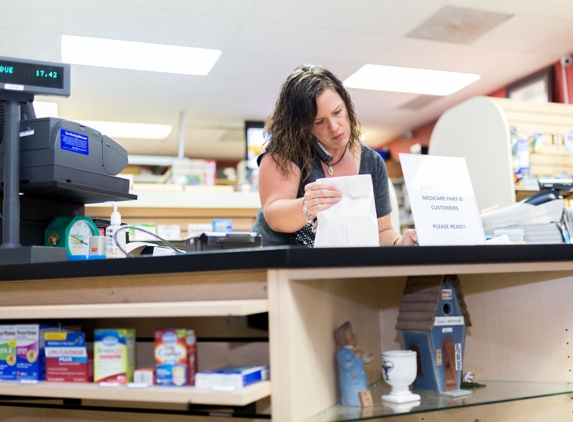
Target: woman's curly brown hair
289,125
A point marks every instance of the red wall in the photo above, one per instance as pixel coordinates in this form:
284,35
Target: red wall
421,135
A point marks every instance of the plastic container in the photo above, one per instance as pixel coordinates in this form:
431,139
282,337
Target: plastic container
111,248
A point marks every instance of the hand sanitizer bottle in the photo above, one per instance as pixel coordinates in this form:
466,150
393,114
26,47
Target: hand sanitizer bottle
111,249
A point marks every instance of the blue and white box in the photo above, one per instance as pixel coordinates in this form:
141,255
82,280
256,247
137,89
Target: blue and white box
231,378
222,225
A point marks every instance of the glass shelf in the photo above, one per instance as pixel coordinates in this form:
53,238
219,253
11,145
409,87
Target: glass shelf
494,392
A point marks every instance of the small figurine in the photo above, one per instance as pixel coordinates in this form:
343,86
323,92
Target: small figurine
351,375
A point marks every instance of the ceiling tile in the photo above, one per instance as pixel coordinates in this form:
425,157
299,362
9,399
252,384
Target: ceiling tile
38,15
26,44
524,33
388,17
560,46
458,25
419,102
554,9
149,24
438,55
309,45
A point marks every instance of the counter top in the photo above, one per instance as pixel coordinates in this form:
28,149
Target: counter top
298,258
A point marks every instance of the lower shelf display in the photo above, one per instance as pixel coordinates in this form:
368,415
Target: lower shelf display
493,392
155,394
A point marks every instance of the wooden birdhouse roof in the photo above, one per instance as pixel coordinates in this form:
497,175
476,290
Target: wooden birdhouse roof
420,302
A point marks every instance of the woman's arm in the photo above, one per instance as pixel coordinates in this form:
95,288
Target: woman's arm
281,207
388,235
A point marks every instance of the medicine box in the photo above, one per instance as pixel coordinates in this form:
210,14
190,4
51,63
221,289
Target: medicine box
67,358
171,357
114,355
30,357
231,378
169,231
144,376
222,225
191,356
139,235
7,352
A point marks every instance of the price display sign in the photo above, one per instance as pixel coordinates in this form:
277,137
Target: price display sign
34,77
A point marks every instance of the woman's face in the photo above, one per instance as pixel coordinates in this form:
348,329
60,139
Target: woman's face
331,125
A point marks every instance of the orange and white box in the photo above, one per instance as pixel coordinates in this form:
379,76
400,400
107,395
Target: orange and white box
171,357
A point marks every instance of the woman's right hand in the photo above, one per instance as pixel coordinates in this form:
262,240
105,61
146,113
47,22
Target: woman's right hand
320,196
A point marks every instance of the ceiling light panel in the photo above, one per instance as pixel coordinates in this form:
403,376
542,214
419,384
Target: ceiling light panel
130,130
45,109
138,56
409,80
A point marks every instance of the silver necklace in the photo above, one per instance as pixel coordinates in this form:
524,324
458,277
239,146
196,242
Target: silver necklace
330,169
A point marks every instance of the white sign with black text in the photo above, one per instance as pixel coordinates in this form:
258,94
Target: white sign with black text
442,199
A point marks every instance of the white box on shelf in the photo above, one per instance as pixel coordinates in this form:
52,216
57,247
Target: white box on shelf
231,378
169,231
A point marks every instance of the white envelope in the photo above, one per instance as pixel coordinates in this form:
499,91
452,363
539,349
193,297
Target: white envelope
352,221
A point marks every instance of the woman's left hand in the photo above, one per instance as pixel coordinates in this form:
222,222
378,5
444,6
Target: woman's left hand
410,238
319,196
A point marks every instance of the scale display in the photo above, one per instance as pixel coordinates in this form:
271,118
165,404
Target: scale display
34,77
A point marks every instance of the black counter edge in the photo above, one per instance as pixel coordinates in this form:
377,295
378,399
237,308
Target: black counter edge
290,257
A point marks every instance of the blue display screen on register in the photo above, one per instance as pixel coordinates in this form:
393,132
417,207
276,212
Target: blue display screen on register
31,74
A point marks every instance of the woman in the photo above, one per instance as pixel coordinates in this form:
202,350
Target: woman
314,133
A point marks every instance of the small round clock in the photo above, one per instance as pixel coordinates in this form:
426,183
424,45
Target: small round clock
72,233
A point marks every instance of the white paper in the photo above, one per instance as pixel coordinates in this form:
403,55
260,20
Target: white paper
352,221
442,199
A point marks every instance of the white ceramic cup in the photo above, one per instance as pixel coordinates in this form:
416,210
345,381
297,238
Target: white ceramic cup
399,368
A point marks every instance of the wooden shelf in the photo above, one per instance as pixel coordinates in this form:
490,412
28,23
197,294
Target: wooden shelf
134,310
154,394
193,198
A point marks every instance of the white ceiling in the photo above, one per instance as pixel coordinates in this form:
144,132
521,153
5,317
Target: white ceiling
262,41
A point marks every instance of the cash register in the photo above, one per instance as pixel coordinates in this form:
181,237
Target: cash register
50,166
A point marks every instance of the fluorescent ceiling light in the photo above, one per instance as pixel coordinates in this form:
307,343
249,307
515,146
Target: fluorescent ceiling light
43,109
410,80
130,130
151,160
138,56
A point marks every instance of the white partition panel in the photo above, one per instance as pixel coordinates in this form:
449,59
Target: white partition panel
477,130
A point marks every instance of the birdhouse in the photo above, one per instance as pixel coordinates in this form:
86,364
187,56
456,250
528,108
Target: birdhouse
433,318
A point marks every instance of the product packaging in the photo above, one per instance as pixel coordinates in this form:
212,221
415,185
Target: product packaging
144,376
192,356
67,358
171,357
30,356
7,352
113,240
114,355
569,142
222,225
231,378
